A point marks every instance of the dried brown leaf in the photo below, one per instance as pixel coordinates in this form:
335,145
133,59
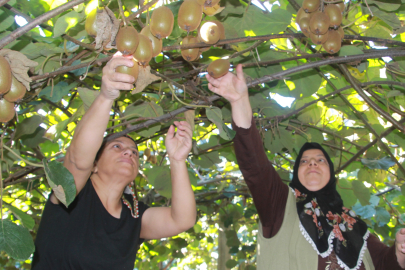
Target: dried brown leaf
144,79
19,65
189,115
107,28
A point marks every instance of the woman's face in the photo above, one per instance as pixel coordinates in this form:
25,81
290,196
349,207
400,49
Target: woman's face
120,156
313,170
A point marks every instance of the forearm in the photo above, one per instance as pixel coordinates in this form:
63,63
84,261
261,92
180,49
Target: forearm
242,112
183,208
89,132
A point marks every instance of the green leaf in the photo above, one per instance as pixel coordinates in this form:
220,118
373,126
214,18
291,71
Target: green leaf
160,178
61,181
232,238
25,219
207,160
28,126
382,216
305,83
276,140
15,240
231,263
384,163
366,175
60,90
258,23
387,5
34,139
350,50
403,189
88,96
214,114
345,190
65,22
361,191
147,109
6,19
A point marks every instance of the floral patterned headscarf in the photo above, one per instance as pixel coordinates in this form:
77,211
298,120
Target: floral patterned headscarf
325,222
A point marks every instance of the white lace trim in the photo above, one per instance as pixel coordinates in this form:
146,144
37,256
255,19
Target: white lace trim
330,247
309,239
360,259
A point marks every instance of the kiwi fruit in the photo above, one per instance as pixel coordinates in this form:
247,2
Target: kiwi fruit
5,75
17,91
90,25
147,152
132,71
127,40
334,42
318,39
189,16
218,68
157,44
319,23
161,22
342,6
221,28
341,32
153,159
301,14
311,5
143,53
335,15
190,54
6,111
209,33
304,25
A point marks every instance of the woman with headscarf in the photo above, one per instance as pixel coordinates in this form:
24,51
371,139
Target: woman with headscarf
104,227
303,226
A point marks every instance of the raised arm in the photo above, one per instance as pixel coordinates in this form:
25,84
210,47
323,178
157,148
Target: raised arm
234,89
159,222
268,191
89,132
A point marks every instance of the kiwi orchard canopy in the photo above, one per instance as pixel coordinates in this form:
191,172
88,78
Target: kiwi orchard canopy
344,94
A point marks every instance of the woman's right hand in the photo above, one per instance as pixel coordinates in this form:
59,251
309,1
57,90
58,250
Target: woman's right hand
112,81
231,87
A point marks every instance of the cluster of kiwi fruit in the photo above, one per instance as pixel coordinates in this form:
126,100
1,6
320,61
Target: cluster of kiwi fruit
11,91
189,19
321,22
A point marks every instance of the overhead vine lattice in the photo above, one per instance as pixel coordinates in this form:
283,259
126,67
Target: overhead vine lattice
352,102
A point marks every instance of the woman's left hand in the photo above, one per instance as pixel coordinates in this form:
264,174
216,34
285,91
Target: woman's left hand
178,145
400,247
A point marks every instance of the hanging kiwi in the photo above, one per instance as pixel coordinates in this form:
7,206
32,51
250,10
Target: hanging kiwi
90,25
5,75
189,16
143,53
6,110
157,43
161,22
335,15
221,29
334,42
209,33
319,23
341,6
211,11
311,5
127,40
17,91
304,25
147,152
190,54
301,14
132,71
318,39
341,32
218,68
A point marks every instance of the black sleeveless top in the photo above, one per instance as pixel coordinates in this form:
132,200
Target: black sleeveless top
86,236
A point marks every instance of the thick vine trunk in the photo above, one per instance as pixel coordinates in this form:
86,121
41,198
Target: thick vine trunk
223,249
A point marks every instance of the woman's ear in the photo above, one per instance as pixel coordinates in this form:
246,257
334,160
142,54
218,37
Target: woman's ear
95,169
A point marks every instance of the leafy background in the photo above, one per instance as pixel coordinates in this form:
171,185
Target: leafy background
354,108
